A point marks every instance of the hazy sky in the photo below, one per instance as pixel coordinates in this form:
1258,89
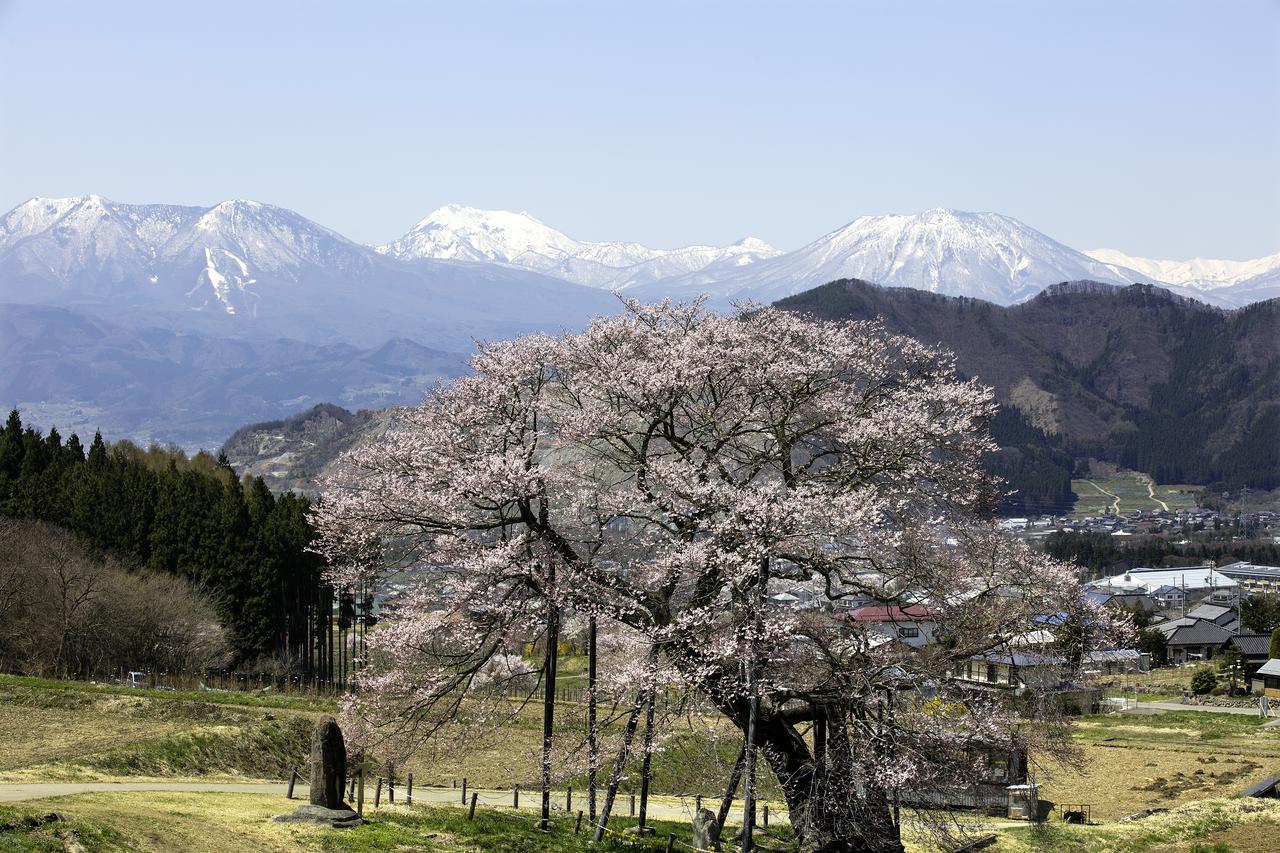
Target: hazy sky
1152,127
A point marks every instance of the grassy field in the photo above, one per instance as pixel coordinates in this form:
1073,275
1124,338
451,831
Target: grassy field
61,731
56,731
1126,491
237,822
232,823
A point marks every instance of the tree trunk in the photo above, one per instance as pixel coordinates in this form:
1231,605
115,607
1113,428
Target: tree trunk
831,809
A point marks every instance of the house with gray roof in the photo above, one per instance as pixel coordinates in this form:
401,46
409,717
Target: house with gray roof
1198,640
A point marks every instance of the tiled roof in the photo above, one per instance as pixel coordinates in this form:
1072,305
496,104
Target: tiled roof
1252,645
1202,633
891,613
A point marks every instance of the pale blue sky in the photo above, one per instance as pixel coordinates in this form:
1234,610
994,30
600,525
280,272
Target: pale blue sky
1152,127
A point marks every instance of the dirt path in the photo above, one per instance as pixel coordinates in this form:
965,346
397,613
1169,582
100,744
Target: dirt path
660,807
1115,499
1147,707
1151,493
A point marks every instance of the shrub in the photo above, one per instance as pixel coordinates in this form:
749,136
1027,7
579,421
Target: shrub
1203,681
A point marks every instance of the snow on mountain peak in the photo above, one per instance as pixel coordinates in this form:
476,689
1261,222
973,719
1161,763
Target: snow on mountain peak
457,232
1203,274
985,255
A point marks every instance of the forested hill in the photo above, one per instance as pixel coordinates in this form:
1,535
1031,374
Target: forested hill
189,516
1135,375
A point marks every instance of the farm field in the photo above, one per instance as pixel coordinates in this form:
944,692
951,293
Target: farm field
1126,491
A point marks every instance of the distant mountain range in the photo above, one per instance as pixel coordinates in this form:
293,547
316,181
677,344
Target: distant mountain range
179,323
983,255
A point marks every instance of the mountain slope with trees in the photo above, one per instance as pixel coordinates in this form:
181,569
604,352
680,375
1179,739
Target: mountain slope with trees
1135,375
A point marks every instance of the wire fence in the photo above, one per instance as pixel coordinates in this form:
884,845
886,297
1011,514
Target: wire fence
667,809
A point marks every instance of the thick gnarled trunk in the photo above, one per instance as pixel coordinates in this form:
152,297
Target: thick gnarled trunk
830,810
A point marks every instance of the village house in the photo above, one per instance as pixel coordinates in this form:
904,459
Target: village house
1254,652
1190,639
914,625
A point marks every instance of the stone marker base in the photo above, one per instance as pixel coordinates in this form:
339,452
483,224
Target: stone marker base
336,818
639,830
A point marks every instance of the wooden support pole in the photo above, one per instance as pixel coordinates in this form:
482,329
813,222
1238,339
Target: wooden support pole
731,790
515,797
577,827
766,815
408,793
360,792
646,765
293,777
697,803
377,796
391,789
671,841
471,812
568,799
628,733
464,790
633,805
593,746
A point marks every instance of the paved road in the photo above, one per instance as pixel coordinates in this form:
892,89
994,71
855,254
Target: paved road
1147,707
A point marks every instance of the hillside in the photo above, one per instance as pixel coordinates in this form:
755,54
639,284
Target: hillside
291,454
1136,375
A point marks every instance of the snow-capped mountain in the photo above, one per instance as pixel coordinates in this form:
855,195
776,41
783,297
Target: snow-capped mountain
243,267
983,255
1231,282
455,232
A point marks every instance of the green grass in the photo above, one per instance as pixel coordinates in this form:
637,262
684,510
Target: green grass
212,823
76,689
1245,826
54,732
26,829
444,828
1131,489
1206,725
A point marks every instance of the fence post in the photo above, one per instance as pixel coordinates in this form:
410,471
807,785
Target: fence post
515,797
671,841
766,815
633,805
408,794
377,796
293,777
391,790
464,790
568,799
352,793
471,812
577,827
360,793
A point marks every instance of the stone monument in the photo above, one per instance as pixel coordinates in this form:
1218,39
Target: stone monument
328,778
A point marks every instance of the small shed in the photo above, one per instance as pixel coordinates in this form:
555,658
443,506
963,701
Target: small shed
1269,672
1025,803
